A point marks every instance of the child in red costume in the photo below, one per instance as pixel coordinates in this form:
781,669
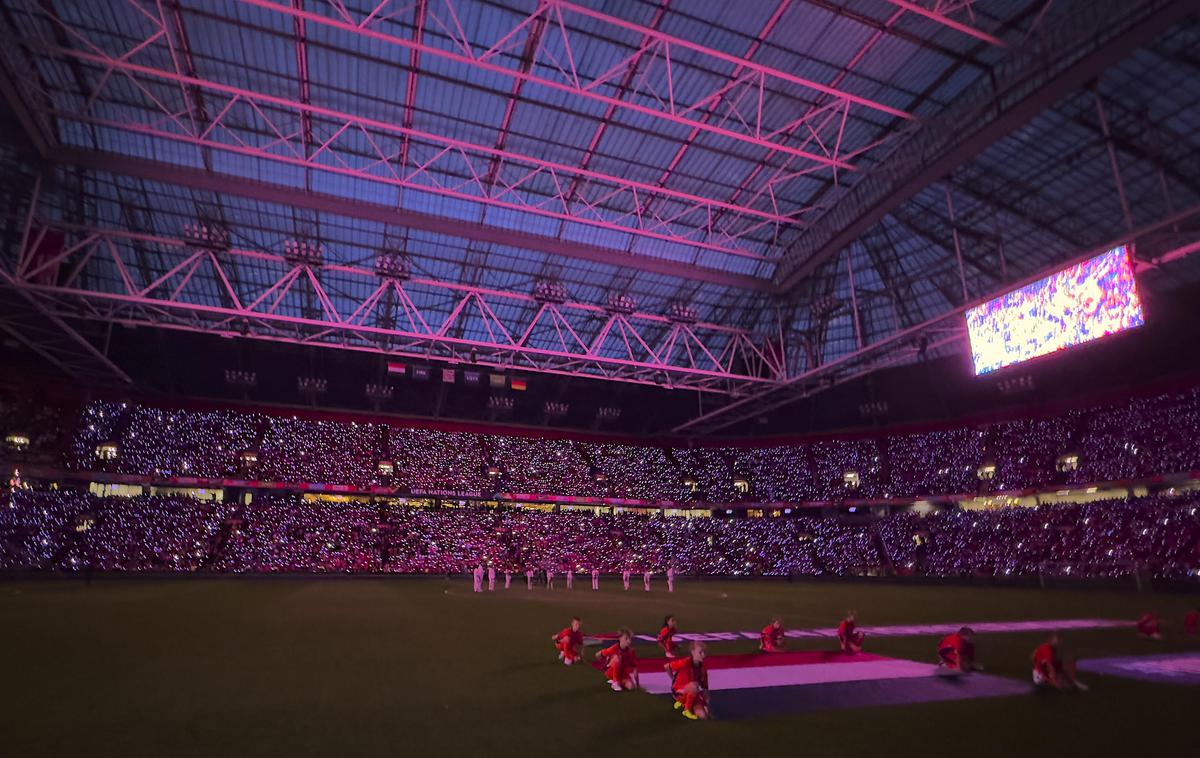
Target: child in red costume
1147,626
689,683
770,639
957,651
569,642
1052,671
621,662
849,637
666,637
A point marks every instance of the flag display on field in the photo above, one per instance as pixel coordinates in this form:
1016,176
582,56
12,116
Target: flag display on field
518,384
395,368
752,685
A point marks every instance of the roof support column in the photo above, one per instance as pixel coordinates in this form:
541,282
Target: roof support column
962,274
858,338
1112,158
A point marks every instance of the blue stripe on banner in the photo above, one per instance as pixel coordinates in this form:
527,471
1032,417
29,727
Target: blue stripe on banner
775,701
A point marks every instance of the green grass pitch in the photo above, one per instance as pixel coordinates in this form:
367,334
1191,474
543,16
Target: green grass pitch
392,667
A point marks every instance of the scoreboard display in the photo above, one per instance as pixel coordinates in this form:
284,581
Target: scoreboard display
1082,303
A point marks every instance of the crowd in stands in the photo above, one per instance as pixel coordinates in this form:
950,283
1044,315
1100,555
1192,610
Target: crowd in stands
295,450
75,531
39,422
1099,538
429,460
549,466
1140,438
165,442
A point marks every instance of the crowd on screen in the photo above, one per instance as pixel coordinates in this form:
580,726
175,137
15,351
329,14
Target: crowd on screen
76,531
1140,438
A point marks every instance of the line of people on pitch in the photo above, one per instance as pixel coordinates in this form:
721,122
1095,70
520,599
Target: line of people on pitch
546,576
689,676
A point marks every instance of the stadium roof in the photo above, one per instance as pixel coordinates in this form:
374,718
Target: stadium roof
737,198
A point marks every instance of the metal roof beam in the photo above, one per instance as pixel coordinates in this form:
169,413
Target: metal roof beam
944,19
292,196
615,209
569,338
485,54
1093,37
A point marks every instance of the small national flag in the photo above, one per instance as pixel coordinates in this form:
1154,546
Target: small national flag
395,368
420,373
496,380
448,375
472,378
518,384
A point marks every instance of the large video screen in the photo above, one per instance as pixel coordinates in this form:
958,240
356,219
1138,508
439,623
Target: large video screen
1079,304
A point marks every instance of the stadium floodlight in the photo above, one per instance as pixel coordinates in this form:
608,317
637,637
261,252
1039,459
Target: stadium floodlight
500,403
240,378
555,409
682,313
550,291
379,392
107,451
393,264
873,408
302,252
311,385
206,235
1016,385
608,413
621,304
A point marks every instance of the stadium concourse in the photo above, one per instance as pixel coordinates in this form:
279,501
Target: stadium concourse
599,377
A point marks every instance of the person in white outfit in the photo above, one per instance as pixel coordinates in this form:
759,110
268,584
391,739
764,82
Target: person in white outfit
570,578
595,579
528,579
625,579
491,578
670,579
646,580
549,579
507,578
477,578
